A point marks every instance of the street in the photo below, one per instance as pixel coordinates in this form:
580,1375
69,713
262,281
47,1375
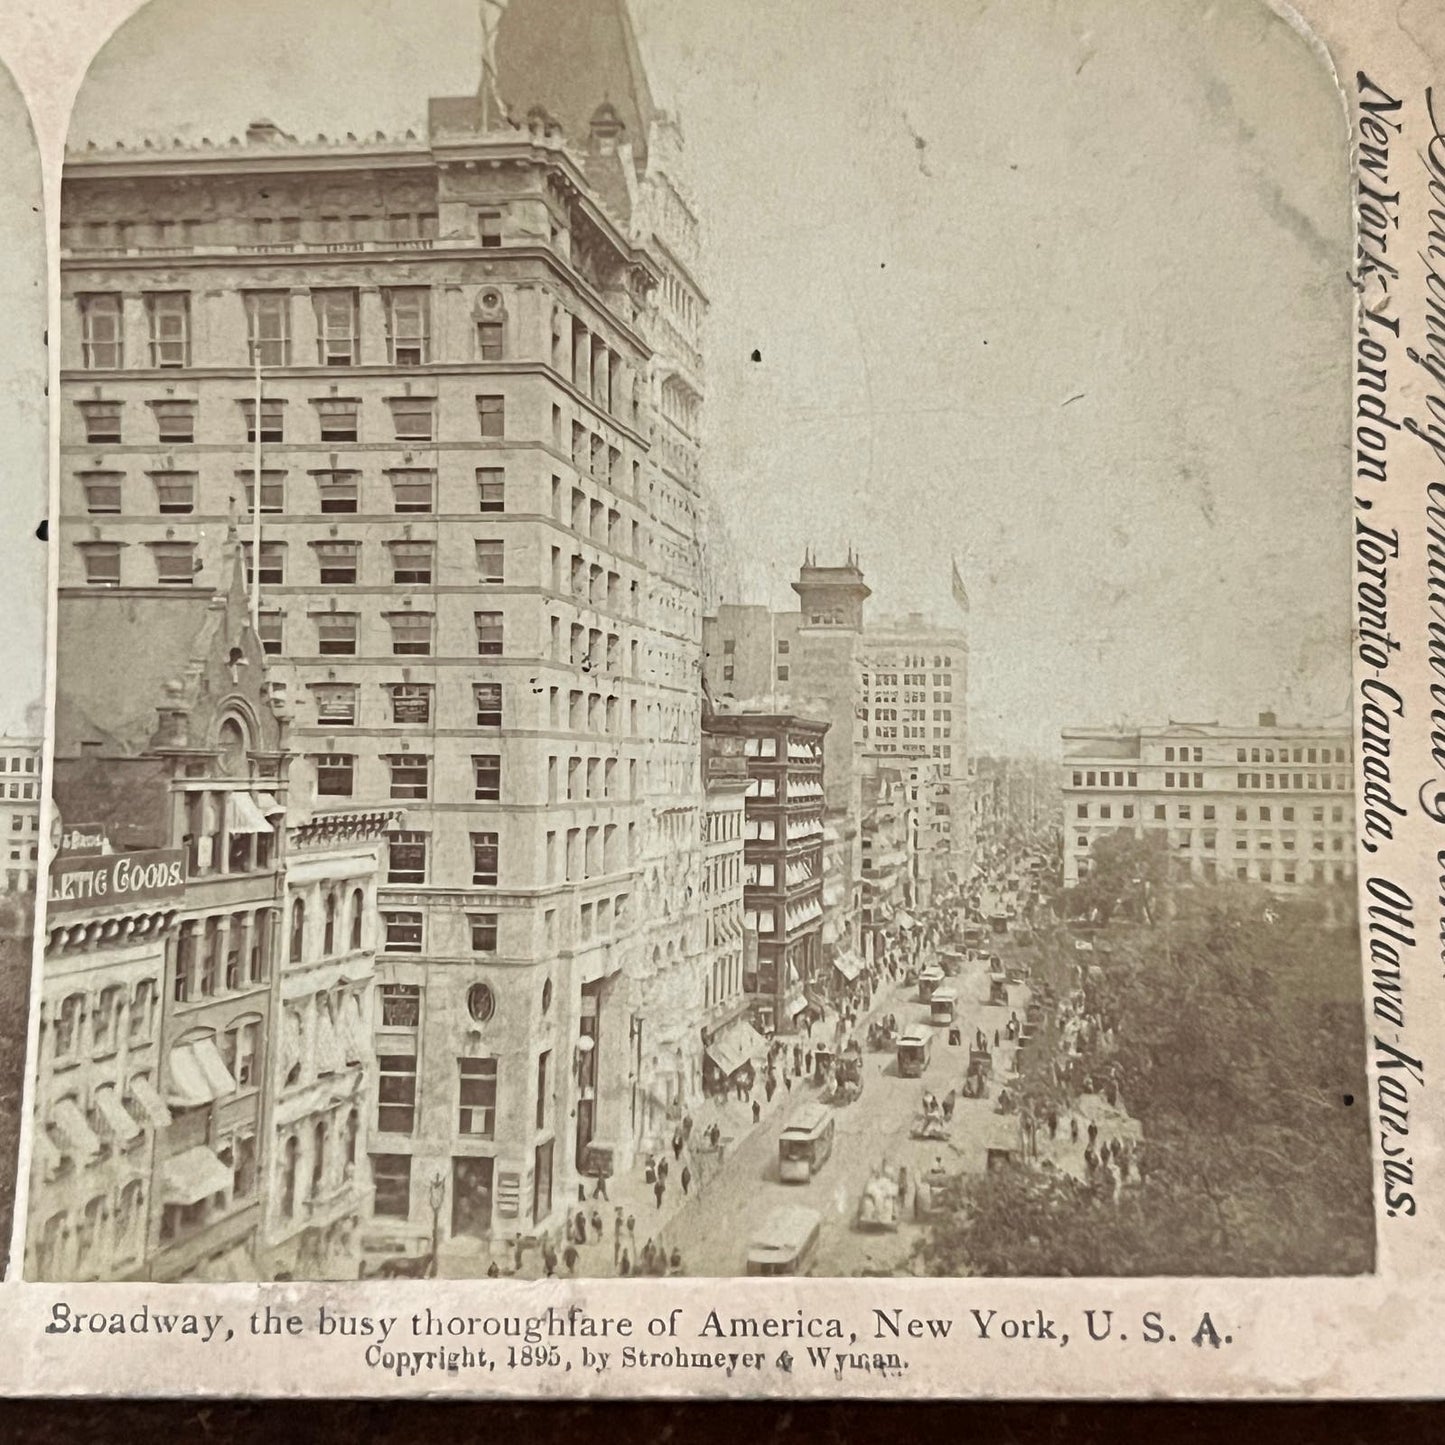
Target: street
713,1230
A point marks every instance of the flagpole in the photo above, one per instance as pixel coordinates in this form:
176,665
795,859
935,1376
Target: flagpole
256,505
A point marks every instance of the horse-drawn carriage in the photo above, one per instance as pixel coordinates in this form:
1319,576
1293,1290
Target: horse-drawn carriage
878,1205
847,1075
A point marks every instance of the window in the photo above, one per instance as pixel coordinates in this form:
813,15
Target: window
335,704
492,414
396,1093
489,228
410,774
241,1051
273,563
338,491
487,769
484,932
338,419
543,1060
783,673
485,851
336,634
413,490
175,493
490,560
268,327
175,563
169,315
400,1005
334,775
101,331
102,563
491,340
411,563
491,489
101,422
411,702
391,1185
414,417
273,417
273,491
408,324
478,1079
406,858
402,932
270,629
337,562
410,634
175,422
337,332
489,634
488,696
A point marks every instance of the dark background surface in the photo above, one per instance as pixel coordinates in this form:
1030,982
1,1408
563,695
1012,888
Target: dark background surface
757,1424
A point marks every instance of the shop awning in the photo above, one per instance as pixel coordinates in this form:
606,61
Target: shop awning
797,1006
193,1175
268,805
244,815
80,1139
153,1106
735,1048
849,965
328,1050
905,920
197,1075
113,1117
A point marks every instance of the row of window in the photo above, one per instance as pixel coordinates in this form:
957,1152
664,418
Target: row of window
410,776
225,953
1264,871
1184,812
413,419
406,309
82,1028
1297,782
337,703
477,1083
338,491
1207,841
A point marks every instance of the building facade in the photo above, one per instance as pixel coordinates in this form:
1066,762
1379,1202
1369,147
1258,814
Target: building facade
782,858
1270,804
476,508
20,812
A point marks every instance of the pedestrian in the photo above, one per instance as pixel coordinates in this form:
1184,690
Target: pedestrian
658,1190
569,1258
995,1038
549,1259
581,1193
677,1142
517,1255
1093,1132
1073,1128
770,1088
788,1082
624,1268
596,1226
492,1271
757,1111
686,1127
579,1227
808,1062
797,1058
617,1236
599,1189
675,1261
649,1170
686,1178
632,1231
662,1170
949,1100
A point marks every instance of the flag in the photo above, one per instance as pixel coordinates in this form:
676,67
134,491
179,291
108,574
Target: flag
492,12
960,592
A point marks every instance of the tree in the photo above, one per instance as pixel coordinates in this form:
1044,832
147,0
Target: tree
1237,1035
1127,874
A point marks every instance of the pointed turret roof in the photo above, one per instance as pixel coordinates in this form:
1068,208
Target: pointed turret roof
570,57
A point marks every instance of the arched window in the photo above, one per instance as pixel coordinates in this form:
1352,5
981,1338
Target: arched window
288,1177
298,929
358,903
318,1158
328,946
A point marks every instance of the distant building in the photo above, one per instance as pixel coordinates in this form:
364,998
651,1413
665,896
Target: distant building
1270,804
892,686
783,857
20,812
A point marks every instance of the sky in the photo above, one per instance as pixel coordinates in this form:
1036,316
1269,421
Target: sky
1057,288
24,469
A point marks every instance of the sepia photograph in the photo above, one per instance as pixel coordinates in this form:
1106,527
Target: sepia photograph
701,640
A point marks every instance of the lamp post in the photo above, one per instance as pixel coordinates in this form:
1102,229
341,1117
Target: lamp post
436,1193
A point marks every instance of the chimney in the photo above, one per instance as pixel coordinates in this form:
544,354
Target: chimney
1268,720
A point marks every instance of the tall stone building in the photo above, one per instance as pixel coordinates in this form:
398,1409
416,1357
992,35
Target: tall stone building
20,812
475,540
